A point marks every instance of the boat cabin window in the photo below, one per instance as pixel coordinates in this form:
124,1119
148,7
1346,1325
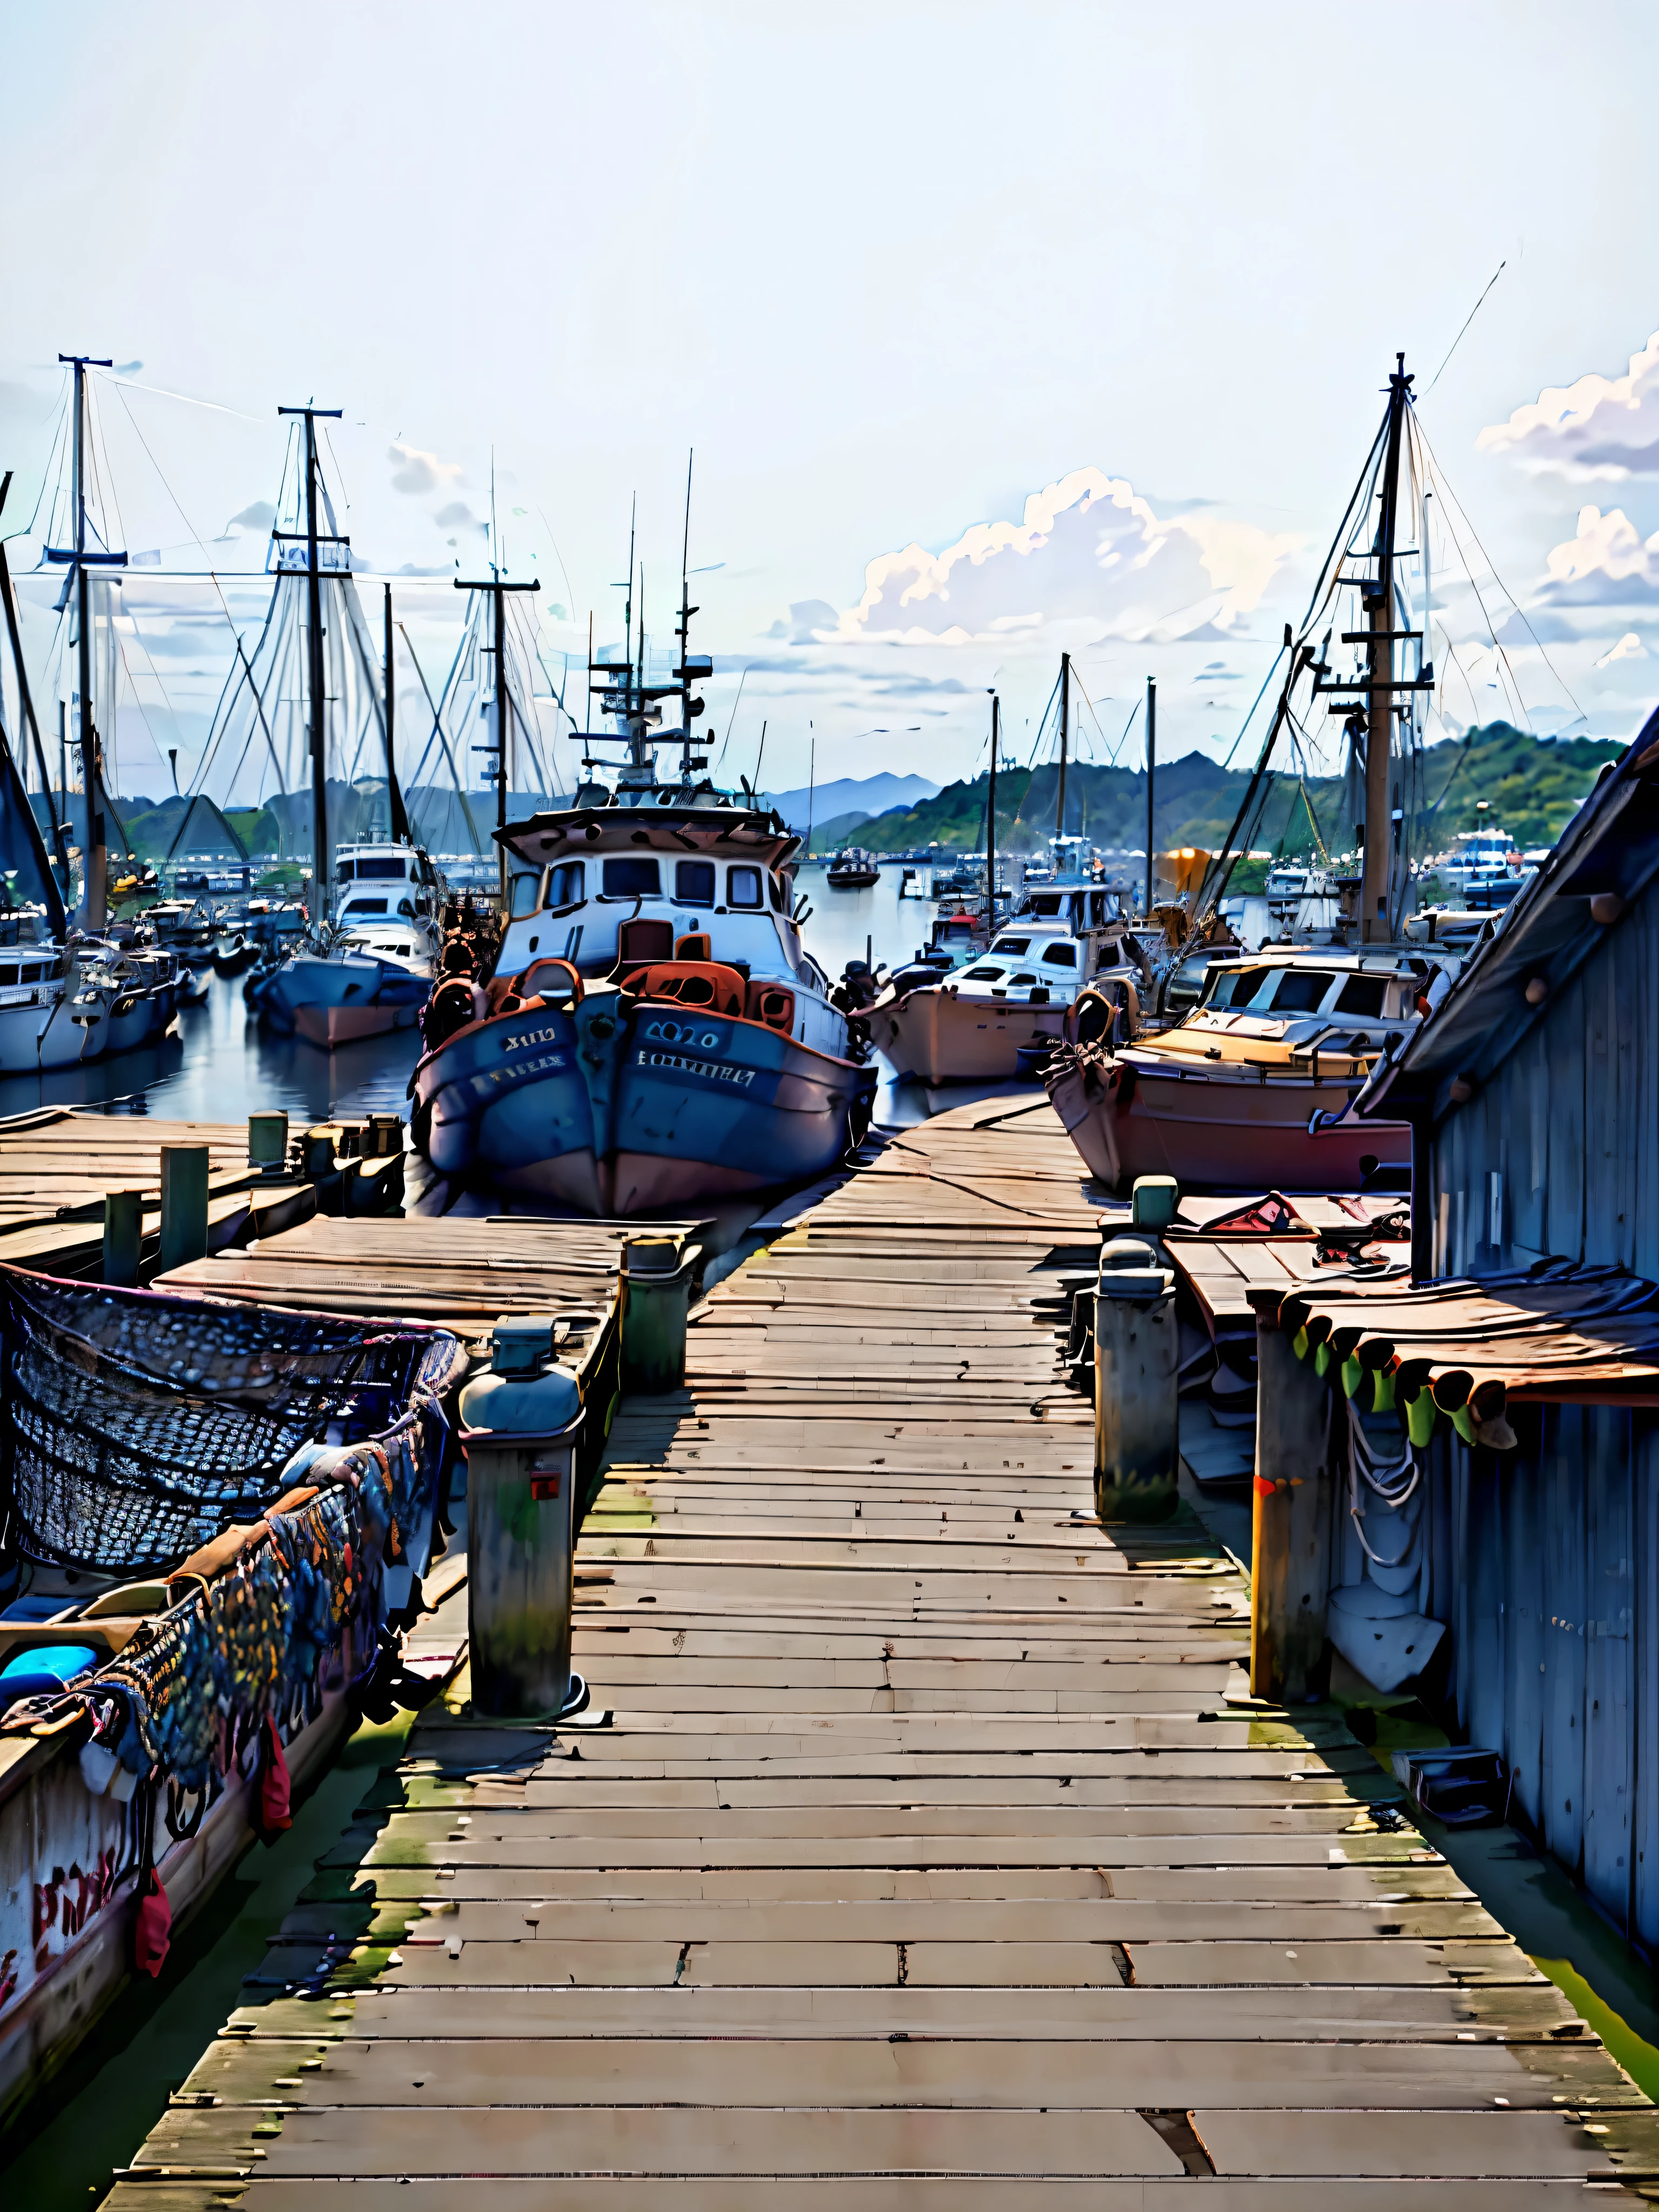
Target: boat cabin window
981,975
1023,976
524,896
630,875
1300,990
1060,956
1050,905
364,906
1013,945
388,868
1363,995
1103,909
1234,987
694,883
564,882
9,975
743,887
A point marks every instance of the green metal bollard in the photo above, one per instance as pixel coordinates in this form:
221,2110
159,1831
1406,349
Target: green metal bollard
657,1298
184,1205
1137,1363
1153,1201
123,1236
267,1143
518,1427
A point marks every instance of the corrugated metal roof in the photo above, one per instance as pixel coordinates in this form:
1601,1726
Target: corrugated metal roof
1610,850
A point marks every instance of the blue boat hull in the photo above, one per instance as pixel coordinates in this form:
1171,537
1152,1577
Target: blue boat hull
668,1107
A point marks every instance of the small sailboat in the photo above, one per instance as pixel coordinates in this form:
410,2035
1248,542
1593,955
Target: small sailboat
649,1032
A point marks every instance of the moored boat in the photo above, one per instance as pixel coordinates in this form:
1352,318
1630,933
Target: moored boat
650,1032
1250,1091
852,870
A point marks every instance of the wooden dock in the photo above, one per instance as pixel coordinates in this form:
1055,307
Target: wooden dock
926,1862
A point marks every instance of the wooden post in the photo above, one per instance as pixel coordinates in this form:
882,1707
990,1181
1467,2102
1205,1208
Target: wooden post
1137,1413
1294,1496
267,1142
184,1205
124,1232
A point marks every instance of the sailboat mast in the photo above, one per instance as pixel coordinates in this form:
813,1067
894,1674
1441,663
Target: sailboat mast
394,798
686,613
96,859
1151,769
991,825
1065,735
1379,599
498,588
316,682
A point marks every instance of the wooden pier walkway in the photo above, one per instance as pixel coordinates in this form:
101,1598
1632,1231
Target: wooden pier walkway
924,1863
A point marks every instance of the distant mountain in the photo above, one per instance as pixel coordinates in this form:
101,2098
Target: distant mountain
855,796
1531,785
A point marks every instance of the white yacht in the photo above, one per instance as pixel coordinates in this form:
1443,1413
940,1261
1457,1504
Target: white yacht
369,971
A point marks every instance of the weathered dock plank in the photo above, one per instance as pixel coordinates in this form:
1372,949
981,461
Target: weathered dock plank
924,1863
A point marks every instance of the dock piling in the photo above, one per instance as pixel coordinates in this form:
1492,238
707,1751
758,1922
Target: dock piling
657,1272
124,1232
1291,1519
184,1204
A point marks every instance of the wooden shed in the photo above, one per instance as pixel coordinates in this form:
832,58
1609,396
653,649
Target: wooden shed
1487,1430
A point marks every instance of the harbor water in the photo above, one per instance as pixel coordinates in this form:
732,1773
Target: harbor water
219,1065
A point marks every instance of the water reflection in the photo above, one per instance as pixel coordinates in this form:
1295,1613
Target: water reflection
219,1065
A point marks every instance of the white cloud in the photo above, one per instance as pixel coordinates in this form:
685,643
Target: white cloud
1600,427
416,473
1629,647
1607,564
1087,548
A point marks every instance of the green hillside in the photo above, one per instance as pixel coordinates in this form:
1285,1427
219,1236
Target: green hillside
1531,785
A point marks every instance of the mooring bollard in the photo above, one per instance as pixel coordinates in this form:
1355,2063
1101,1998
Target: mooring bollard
1136,1362
519,1426
184,1205
267,1142
1153,1201
123,1235
657,1297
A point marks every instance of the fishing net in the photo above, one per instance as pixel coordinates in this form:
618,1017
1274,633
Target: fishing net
140,1425
297,1613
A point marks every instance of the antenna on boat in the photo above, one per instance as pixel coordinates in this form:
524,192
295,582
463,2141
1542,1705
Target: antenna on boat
991,825
316,684
498,588
689,708
1379,640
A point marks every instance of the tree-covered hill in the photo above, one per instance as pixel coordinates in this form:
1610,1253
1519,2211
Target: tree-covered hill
1531,785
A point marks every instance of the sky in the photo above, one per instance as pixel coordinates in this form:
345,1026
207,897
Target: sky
998,330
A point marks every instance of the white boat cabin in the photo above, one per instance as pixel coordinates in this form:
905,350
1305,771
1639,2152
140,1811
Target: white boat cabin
695,865
384,883
1057,941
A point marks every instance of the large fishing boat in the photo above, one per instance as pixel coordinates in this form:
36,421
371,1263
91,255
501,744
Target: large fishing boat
650,1031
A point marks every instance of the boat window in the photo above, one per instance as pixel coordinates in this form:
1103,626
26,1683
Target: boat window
694,883
981,975
1234,987
523,897
1050,906
348,870
564,884
1023,976
406,906
742,886
366,905
388,869
8,975
1013,945
1300,990
776,891
630,875
1362,996
1060,956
